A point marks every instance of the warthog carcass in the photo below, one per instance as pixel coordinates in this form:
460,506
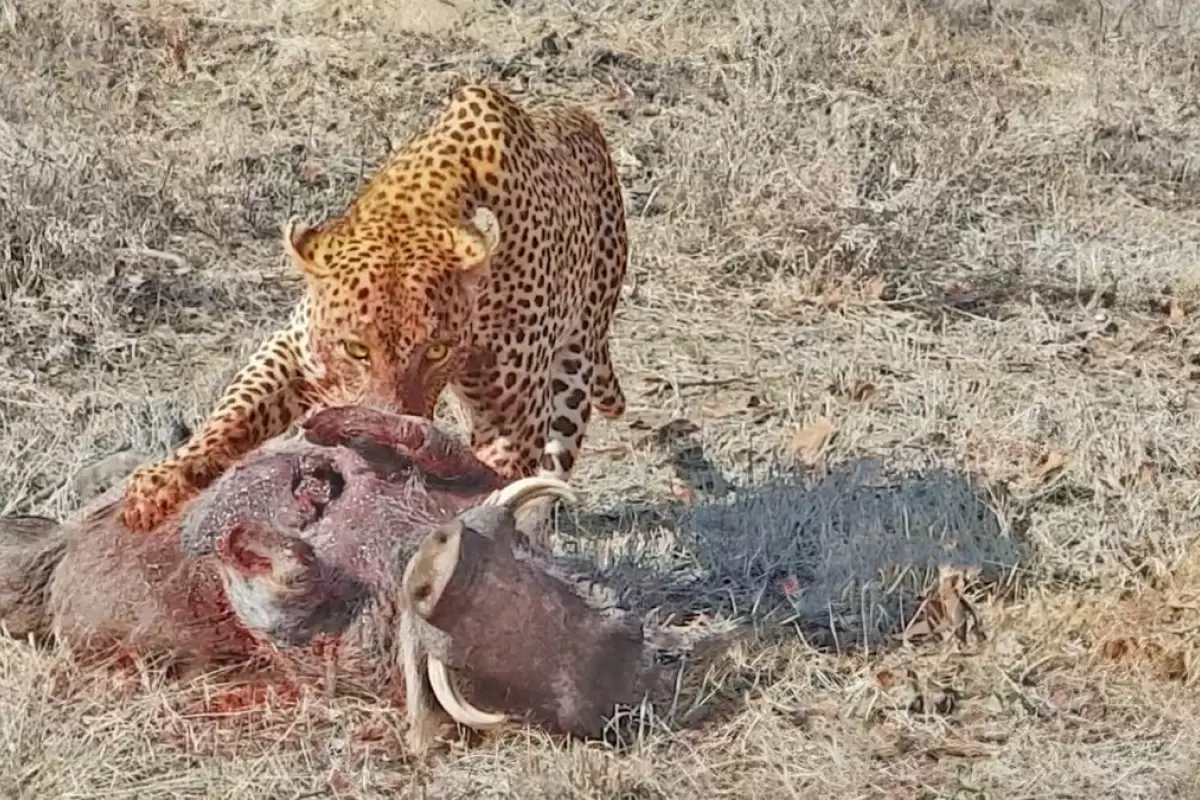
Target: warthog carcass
373,552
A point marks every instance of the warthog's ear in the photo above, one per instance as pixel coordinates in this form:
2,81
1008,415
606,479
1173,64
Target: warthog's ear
431,567
254,550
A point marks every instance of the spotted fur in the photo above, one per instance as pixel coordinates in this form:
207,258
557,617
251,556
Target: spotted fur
487,256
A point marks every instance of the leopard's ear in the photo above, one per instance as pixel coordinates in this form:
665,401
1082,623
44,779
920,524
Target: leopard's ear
299,242
477,238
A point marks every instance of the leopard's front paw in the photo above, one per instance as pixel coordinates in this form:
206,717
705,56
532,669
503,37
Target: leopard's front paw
154,493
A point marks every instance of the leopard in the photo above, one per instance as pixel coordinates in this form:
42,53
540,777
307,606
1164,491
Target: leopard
485,257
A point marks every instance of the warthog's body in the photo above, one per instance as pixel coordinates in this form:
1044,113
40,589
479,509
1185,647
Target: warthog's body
294,561
357,495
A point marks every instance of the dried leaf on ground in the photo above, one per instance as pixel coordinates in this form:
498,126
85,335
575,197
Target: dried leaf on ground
1144,477
831,299
857,392
682,491
944,611
1153,337
809,443
1147,475
1175,310
864,392
873,289
1052,462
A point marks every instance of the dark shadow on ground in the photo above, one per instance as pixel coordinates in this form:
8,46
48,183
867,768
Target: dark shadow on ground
846,558
842,560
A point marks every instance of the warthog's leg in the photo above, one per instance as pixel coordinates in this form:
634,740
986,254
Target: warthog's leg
30,549
393,447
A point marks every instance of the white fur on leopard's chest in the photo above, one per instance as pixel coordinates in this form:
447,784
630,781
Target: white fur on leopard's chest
310,366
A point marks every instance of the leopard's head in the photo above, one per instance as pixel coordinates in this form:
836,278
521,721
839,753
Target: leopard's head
392,304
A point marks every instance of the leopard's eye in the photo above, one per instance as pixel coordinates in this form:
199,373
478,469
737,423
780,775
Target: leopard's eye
436,351
356,349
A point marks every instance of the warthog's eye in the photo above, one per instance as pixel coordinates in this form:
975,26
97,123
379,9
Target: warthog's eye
422,591
668,658
356,349
436,352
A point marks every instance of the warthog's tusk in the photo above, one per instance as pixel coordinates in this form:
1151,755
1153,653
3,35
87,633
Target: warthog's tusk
458,707
524,490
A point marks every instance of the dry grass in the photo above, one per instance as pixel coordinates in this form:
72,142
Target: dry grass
964,232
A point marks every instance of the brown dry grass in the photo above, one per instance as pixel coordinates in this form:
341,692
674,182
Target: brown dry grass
963,232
